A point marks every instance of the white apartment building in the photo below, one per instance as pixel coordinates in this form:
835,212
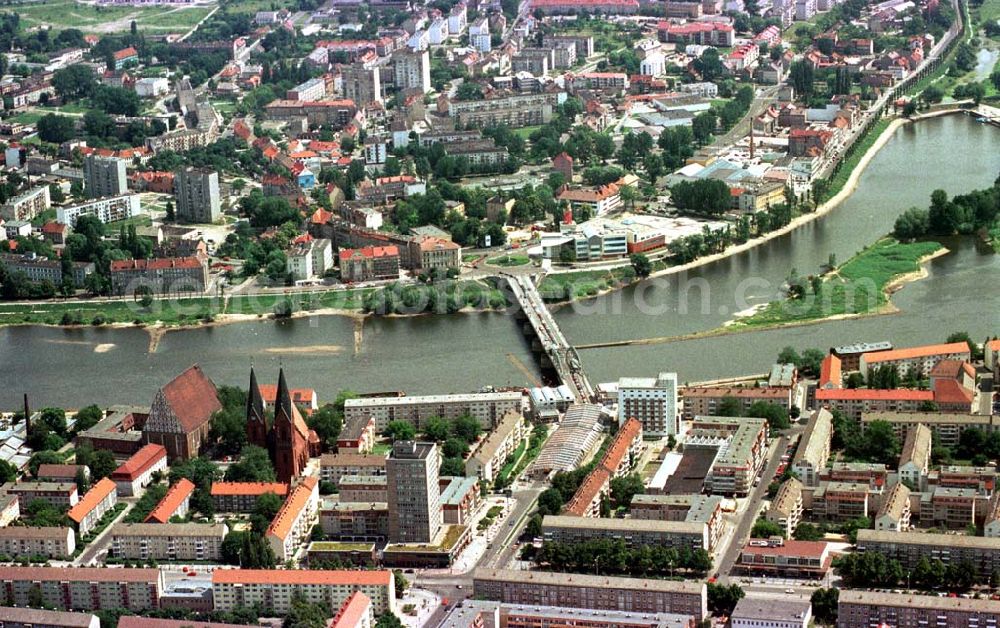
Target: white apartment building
100,499
652,401
51,542
487,408
27,205
274,590
107,209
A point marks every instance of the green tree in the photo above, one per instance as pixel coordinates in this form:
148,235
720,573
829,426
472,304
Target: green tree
87,418
729,406
43,457
723,599
400,582
254,466
808,532
228,427
641,264
467,428
824,605
436,429
327,422
762,529
8,472
911,224
400,430
56,129
304,614
802,76
624,488
267,506
455,448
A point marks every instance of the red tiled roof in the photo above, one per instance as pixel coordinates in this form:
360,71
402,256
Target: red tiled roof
370,251
430,243
307,576
171,501
249,488
81,574
915,352
299,395
156,263
54,227
192,397
125,53
91,499
590,488
951,368
829,371
869,394
951,391
620,446
811,549
320,217
296,501
67,471
353,612
140,462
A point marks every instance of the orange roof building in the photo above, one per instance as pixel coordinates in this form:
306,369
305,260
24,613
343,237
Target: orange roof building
586,502
830,375
295,519
175,503
356,611
101,498
137,472
921,359
274,589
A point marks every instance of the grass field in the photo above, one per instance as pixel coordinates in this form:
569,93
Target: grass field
557,287
510,260
526,132
857,287
60,14
172,312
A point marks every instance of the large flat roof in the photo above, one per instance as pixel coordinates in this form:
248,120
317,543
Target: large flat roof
549,578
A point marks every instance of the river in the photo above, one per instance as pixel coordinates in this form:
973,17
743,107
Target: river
439,354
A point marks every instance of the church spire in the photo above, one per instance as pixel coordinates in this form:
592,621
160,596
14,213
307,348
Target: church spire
283,398
255,401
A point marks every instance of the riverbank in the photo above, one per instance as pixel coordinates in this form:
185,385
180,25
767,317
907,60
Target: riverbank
590,284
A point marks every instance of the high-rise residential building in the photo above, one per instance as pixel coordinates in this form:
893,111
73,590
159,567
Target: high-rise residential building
651,400
197,193
413,492
362,83
104,176
412,70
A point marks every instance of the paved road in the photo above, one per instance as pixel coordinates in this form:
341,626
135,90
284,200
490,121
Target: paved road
742,533
100,544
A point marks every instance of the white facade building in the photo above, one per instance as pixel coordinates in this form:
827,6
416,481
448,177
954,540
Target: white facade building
652,401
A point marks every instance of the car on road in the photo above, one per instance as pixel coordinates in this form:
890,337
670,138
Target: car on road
789,590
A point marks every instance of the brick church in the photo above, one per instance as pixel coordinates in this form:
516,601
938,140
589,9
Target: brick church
287,439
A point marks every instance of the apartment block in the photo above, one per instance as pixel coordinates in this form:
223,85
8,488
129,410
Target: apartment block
919,360
162,275
841,501
894,513
40,269
274,590
478,613
706,509
499,445
459,499
487,408
54,542
706,401
59,494
27,205
294,520
855,402
106,209
197,193
871,608
742,451
413,492
515,111
591,592
243,496
369,263
786,507
362,83
814,448
635,532
104,176
168,541
362,488
947,428
412,70
355,521
915,460
101,498
332,467
175,503
909,547
651,400
83,588
11,617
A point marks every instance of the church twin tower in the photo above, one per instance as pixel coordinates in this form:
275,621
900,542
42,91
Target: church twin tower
286,439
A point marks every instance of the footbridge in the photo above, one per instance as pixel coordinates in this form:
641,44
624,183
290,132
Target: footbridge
548,342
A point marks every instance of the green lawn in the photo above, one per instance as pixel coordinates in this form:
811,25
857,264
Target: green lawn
526,131
557,287
142,220
857,287
510,260
60,14
861,147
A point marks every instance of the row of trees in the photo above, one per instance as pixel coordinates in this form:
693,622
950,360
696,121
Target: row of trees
604,556
874,569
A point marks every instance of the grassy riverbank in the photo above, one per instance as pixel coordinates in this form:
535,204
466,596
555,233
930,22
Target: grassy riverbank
585,283
173,312
861,147
860,286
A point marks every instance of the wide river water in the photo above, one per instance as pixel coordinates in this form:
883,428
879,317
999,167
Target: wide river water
439,354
